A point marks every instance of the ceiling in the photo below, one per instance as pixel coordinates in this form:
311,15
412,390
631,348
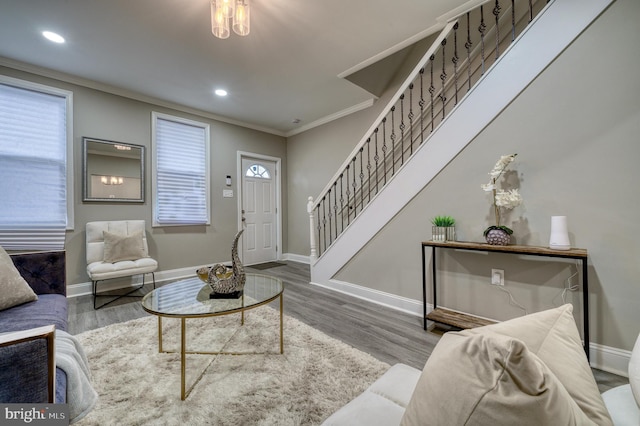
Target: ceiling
292,66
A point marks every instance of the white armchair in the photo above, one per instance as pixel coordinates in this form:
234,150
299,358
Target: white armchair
117,249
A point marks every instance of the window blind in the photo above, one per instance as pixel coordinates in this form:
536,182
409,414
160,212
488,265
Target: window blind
33,138
181,158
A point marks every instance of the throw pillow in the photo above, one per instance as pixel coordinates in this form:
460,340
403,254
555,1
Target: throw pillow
634,371
489,379
118,247
14,290
553,336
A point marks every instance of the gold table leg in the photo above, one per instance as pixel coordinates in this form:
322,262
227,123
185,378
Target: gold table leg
159,334
183,366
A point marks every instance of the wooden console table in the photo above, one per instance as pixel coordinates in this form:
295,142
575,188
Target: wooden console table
461,320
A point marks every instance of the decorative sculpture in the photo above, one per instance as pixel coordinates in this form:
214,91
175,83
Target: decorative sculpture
226,282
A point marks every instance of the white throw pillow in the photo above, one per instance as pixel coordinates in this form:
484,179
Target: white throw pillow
634,371
119,247
14,290
489,379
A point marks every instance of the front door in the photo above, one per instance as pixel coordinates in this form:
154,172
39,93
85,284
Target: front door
259,211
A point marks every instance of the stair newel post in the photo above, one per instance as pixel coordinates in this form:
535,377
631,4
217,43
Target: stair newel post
313,256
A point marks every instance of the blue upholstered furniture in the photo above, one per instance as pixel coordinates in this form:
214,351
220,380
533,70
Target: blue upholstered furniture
24,367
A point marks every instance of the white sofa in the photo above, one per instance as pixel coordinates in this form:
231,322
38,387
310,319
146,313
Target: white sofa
527,371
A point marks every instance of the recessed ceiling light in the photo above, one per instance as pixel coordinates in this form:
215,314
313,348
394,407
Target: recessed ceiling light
221,92
51,36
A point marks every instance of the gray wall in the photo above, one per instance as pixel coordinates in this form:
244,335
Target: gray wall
105,116
575,129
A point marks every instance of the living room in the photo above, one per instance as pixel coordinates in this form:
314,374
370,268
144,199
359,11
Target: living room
573,129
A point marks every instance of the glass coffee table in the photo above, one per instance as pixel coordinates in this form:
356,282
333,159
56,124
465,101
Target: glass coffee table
189,298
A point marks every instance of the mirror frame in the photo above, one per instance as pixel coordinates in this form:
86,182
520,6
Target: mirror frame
86,179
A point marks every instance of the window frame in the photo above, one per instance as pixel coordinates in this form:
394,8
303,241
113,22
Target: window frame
155,116
69,160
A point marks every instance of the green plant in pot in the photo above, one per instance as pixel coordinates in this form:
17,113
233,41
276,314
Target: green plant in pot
443,228
500,234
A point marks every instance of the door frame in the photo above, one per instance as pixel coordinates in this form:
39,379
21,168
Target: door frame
278,186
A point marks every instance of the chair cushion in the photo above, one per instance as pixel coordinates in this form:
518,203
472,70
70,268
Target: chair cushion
489,379
634,371
622,406
14,290
103,271
118,247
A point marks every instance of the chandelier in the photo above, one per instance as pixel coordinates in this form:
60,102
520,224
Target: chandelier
230,13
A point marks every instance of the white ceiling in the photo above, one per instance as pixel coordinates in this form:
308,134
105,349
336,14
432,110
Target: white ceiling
289,67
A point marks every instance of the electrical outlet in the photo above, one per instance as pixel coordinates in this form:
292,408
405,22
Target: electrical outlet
497,276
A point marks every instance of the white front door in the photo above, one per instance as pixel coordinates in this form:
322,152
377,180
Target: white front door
259,211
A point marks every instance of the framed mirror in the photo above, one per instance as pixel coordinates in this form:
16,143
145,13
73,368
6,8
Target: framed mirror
113,171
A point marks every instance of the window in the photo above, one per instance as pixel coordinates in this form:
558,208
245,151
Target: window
181,172
258,171
36,182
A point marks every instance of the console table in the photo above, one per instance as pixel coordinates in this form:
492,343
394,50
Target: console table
461,320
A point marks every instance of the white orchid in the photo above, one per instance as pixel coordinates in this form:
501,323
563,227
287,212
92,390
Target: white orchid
505,199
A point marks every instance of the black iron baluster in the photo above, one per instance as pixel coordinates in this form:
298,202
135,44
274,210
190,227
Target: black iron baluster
393,137
376,157
411,119
348,193
402,127
443,78
342,205
355,202
369,166
513,20
467,46
530,11
454,59
335,206
384,155
482,28
361,181
432,89
324,223
421,103
330,215
496,13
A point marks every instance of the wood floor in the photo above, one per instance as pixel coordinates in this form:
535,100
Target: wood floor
386,334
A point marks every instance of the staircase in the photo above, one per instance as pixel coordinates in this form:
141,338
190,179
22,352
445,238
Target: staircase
480,62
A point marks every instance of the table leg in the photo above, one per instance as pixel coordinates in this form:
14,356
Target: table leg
159,334
281,326
182,358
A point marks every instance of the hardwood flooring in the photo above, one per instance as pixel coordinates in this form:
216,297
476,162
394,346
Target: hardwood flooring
385,333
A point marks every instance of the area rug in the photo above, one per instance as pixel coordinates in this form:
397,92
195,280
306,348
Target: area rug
137,385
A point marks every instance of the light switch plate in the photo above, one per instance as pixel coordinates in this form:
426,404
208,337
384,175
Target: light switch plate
227,193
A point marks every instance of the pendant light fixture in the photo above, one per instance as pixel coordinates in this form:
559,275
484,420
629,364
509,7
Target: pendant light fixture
230,14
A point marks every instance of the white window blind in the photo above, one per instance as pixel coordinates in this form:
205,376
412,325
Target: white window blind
181,158
33,169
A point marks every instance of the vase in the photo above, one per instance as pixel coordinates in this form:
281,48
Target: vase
226,282
498,237
443,233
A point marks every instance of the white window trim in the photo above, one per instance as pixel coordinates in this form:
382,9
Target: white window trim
68,95
207,136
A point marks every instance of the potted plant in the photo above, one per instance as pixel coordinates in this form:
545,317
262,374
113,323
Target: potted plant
443,228
500,234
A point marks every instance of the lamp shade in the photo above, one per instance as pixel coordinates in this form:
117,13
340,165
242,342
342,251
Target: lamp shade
219,23
559,238
242,18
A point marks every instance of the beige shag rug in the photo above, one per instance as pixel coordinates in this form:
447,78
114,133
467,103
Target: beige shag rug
139,386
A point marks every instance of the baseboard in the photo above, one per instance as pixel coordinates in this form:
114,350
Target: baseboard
296,258
605,358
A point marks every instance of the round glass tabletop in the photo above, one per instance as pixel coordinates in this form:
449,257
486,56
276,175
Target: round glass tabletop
190,297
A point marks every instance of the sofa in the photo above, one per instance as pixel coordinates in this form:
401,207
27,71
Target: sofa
530,370
33,305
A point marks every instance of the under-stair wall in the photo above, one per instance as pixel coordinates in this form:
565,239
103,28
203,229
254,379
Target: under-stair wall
551,32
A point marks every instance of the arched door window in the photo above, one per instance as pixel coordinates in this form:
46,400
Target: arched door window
258,171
